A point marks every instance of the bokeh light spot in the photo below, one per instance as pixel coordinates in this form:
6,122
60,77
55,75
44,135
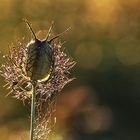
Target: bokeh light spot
88,57
128,51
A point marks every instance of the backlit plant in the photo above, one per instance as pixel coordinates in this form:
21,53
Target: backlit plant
35,73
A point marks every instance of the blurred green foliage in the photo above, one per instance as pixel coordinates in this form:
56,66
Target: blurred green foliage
103,103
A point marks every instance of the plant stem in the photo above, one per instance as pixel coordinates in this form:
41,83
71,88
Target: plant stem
32,125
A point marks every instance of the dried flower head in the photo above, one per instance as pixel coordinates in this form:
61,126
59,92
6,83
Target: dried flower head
49,68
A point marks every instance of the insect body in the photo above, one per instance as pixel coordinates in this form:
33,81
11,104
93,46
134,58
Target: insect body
40,60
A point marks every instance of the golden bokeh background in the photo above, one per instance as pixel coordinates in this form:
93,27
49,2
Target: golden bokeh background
103,102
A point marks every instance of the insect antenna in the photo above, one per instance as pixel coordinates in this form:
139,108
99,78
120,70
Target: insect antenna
29,26
59,35
50,29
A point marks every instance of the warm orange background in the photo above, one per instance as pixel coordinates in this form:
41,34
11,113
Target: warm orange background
103,103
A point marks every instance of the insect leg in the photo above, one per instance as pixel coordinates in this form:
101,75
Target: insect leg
59,35
50,29
29,26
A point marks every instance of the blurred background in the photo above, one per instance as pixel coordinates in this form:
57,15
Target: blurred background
103,103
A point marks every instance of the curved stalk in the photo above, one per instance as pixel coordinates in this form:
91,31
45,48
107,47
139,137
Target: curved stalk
32,125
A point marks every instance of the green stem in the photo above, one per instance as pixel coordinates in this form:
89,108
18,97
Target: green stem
32,125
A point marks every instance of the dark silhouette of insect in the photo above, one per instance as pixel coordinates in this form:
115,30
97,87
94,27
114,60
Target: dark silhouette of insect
40,62
40,59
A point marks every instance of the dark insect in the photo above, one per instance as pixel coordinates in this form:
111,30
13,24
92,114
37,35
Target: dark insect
40,60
